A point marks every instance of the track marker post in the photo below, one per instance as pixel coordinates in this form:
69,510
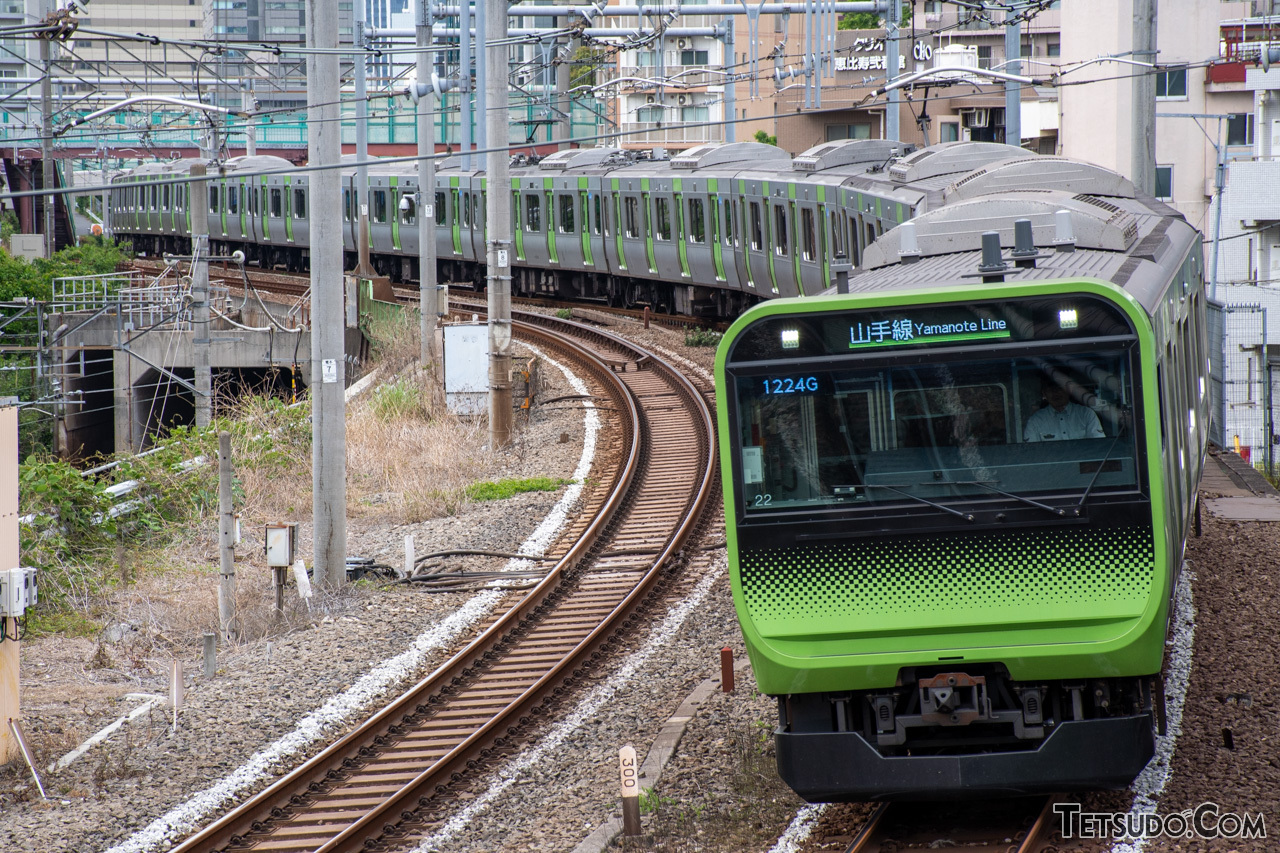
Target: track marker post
726,669
628,772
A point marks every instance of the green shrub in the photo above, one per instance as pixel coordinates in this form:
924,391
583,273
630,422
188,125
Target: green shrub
507,488
701,337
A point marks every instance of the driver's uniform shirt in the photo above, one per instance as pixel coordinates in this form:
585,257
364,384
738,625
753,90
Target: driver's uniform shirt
1073,422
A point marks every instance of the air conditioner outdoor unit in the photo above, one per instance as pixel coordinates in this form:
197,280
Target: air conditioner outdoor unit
648,99
682,43
977,118
683,99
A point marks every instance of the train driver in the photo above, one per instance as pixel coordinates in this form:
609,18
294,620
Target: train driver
1061,419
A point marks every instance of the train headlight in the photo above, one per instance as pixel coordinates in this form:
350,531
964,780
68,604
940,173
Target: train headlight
790,338
1068,318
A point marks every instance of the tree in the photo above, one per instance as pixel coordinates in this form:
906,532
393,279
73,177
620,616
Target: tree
870,20
761,136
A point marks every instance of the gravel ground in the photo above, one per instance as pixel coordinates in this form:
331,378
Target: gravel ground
718,793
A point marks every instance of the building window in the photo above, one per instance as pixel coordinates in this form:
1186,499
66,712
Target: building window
984,56
650,114
1053,48
695,57
647,58
949,131
695,114
1240,129
1164,183
1172,84
857,130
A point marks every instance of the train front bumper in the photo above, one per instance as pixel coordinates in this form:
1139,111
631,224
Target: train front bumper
1077,755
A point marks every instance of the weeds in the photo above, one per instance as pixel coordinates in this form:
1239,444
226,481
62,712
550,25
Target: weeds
702,337
565,313
496,491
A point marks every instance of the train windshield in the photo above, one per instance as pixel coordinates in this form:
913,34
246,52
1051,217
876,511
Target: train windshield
1048,432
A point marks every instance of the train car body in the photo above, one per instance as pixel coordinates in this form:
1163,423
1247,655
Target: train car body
707,232
952,587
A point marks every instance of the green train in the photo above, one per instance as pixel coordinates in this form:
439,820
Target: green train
958,488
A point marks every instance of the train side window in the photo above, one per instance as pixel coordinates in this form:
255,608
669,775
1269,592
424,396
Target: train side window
440,207
629,215
477,210
233,200
837,234
780,229
567,224
466,210
662,218
408,208
167,193
379,199
730,229
277,202
346,205
757,235
595,202
697,222
300,204
533,212
808,234
213,200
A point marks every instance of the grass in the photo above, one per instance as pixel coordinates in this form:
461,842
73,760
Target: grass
701,337
502,489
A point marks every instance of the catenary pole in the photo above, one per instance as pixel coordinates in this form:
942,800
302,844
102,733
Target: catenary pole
46,140
892,50
429,295
200,315
1143,114
498,247
226,541
328,429
360,201
1012,89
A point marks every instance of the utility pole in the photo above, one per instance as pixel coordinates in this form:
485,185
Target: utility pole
498,254
428,296
563,102
892,50
50,199
1012,89
250,129
201,326
1143,129
328,324
464,79
360,202
226,541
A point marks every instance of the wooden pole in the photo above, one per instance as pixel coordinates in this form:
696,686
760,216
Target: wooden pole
628,772
9,686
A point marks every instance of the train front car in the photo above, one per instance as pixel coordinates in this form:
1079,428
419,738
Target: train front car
954,518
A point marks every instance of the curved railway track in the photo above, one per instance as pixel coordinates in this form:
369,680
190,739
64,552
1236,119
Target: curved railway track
386,782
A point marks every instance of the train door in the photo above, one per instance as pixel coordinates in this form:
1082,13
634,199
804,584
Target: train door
811,261
633,230
646,212
664,251
406,214
549,203
570,228
589,215
782,243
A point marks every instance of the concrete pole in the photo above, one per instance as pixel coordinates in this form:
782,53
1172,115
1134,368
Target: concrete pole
1012,89
891,130
106,197
46,145
564,101
730,83
226,541
464,81
498,246
328,427
482,103
429,351
200,317
1143,127
250,128
10,708
361,200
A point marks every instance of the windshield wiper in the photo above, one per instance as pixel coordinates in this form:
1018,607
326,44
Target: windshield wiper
1058,511
1105,457
898,490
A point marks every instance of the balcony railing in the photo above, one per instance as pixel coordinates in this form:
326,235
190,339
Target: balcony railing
671,133
689,75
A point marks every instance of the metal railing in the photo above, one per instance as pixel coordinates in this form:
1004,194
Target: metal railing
655,133
91,292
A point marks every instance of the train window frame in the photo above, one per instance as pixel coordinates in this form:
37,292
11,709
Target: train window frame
276,200
233,201
533,213
213,200
299,203
757,226
441,207
378,206
409,213
597,225
477,209
838,245
629,212
346,205
465,203
781,231
697,221
808,235
566,222
661,218
166,196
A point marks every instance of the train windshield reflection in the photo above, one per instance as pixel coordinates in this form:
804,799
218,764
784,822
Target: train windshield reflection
942,433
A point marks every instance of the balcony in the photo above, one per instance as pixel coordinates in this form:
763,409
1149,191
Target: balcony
670,133
690,76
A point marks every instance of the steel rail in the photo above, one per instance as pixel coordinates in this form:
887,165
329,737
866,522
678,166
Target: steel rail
892,824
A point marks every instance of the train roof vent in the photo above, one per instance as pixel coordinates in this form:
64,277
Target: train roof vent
949,158
576,158
958,227
1055,173
847,152
704,156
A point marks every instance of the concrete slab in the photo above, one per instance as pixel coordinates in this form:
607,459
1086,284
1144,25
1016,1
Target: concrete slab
1245,508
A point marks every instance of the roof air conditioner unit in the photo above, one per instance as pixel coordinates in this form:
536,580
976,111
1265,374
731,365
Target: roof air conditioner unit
977,118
